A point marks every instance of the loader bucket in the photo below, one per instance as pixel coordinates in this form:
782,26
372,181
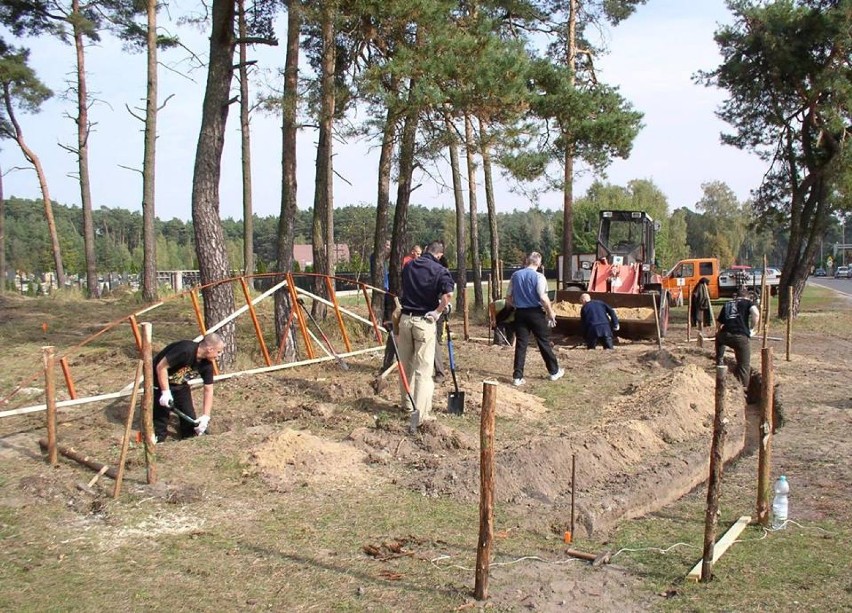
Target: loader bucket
636,314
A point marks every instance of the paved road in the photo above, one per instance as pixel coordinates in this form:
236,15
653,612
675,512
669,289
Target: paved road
844,286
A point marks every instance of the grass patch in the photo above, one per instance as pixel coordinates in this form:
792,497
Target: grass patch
798,568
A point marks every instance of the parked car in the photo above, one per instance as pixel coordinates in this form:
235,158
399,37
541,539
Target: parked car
820,272
771,273
841,272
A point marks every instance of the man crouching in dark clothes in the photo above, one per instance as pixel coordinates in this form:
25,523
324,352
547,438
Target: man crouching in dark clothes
174,366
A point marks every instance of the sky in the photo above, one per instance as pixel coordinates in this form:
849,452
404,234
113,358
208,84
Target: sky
652,58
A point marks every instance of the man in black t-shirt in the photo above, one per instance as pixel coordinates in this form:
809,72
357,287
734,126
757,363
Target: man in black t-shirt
174,366
734,324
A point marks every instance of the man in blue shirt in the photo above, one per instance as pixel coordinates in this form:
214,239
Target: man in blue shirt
534,315
598,320
427,289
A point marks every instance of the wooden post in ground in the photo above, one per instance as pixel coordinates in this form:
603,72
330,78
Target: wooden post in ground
715,482
465,314
789,322
689,321
148,405
69,381
49,358
573,493
128,424
486,488
764,304
657,321
764,457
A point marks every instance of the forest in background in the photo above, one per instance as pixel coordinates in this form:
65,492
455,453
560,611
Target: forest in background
720,227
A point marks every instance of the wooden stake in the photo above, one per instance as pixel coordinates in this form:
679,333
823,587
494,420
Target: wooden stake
465,314
657,321
486,488
128,424
49,358
148,405
764,458
69,381
253,315
573,491
689,320
714,484
333,293
789,322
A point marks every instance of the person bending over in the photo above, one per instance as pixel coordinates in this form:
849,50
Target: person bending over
174,366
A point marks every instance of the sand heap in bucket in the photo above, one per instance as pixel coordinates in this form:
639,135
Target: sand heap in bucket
570,309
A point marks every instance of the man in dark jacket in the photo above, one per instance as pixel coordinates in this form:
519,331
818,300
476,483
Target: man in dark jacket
598,320
427,288
174,366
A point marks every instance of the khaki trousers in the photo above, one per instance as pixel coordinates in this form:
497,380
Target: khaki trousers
416,343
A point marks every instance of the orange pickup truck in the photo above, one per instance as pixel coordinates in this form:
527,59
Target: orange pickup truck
684,276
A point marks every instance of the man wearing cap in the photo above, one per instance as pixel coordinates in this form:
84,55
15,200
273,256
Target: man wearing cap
427,289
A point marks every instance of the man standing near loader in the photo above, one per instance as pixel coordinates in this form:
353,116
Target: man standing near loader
598,321
427,289
734,327
534,315
174,366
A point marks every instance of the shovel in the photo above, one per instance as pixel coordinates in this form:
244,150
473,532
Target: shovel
455,401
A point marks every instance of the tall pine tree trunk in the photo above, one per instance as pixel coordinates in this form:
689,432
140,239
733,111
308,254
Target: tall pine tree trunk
2,237
92,287
568,162
323,225
289,128
470,148
403,191
382,209
496,288
209,237
245,141
458,196
149,236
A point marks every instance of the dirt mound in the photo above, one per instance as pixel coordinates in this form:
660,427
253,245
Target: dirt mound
641,432
517,404
295,457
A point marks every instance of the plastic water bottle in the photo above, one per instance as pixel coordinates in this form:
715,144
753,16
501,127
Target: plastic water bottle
780,503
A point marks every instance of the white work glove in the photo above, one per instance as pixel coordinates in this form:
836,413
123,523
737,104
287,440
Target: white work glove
201,428
166,399
433,316
551,323
616,327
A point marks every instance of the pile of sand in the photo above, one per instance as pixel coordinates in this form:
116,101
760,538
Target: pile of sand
295,456
569,309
